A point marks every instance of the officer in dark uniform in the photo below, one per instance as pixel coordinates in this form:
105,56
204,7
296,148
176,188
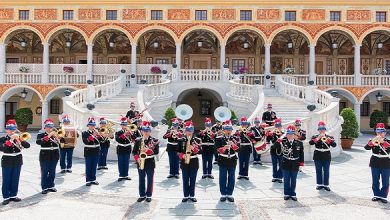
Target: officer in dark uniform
380,163
258,134
11,163
104,146
245,148
188,149
66,154
269,116
132,112
48,156
227,146
276,156
207,137
137,133
123,150
151,149
173,135
217,129
322,156
293,158
91,140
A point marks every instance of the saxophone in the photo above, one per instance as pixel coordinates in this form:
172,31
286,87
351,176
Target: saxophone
142,155
188,151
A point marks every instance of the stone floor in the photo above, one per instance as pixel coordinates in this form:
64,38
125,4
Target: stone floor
258,198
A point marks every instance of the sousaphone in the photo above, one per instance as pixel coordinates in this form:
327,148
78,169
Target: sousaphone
222,114
184,112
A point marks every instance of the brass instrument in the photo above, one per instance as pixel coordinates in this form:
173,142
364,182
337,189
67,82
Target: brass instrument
23,136
60,133
174,134
188,151
377,141
324,138
132,127
142,155
278,132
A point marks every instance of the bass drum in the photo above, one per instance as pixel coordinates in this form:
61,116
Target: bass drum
70,137
262,147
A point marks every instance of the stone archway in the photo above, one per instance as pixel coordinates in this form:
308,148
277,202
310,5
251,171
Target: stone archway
203,102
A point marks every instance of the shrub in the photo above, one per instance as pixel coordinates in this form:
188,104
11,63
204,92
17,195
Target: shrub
169,114
24,116
378,117
350,125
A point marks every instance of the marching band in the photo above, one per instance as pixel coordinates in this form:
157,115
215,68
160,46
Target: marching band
184,147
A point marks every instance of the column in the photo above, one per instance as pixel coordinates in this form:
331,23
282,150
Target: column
356,108
312,63
45,111
358,74
2,63
2,116
45,74
89,61
267,65
133,81
178,55
223,55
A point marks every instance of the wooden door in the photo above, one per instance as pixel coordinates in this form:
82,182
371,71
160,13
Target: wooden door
200,64
10,110
319,67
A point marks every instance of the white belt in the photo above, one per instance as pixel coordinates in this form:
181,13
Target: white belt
12,154
380,155
322,150
172,143
257,137
209,144
228,156
195,156
148,157
124,145
92,146
49,148
291,158
245,144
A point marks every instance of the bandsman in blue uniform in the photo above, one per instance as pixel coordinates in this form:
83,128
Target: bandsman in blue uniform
217,129
207,137
188,150
269,116
123,150
380,163
48,156
173,135
300,134
104,145
276,156
11,163
145,150
91,140
322,156
227,146
293,158
245,148
66,152
258,135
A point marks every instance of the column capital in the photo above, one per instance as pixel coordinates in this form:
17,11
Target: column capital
133,44
45,43
357,45
267,45
178,44
312,45
222,44
90,44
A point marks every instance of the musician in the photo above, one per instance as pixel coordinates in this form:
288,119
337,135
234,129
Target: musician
66,153
218,130
137,133
300,134
321,156
132,112
269,116
91,140
123,150
188,149
276,156
151,147
227,160
258,134
48,156
293,158
208,138
245,148
380,163
104,145
11,163
173,135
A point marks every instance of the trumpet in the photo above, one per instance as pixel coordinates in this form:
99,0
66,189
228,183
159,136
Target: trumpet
377,141
132,127
277,132
23,136
174,134
244,129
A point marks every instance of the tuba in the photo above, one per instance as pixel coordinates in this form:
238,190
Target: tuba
222,113
188,151
184,112
142,155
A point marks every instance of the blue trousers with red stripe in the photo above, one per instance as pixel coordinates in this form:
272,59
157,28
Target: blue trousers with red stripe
10,181
143,174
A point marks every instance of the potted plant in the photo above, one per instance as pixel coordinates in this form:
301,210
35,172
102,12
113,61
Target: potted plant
23,118
378,117
243,70
169,114
379,71
155,69
68,69
24,69
289,70
349,129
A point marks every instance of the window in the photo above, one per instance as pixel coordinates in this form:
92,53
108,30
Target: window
200,15
237,64
386,108
290,15
162,61
156,15
55,106
380,16
24,15
12,60
342,105
365,109
67,15
205,107
246,15
335,16
111,15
